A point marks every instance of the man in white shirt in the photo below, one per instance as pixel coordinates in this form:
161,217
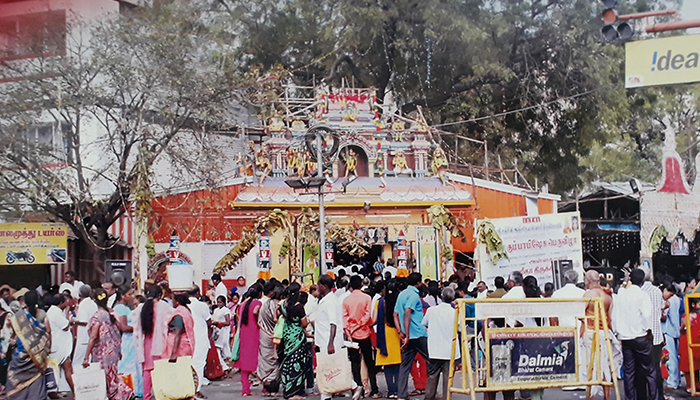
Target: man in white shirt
5,299
72,285
482,291
220,288
342,293
568,291
516,292
86,309
439,321
111,291
328,326
631,322
201,316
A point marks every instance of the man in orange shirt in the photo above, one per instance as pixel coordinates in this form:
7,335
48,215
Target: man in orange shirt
357,322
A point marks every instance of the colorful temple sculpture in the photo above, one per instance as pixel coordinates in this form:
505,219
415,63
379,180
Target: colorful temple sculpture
382,172
670,215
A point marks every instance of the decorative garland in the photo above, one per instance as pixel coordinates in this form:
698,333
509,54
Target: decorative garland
487,234
660,233
307,226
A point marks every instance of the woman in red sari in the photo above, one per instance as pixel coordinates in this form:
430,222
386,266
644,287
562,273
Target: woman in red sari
105,345
684,364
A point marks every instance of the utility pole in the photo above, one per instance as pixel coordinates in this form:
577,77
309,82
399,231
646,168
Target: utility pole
321,205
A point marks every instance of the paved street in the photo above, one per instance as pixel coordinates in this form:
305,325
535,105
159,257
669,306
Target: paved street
230,388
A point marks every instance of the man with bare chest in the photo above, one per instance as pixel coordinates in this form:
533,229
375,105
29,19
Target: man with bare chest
595,290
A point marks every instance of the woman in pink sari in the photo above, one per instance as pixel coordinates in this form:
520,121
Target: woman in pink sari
150,333
180,342
105,345
249,338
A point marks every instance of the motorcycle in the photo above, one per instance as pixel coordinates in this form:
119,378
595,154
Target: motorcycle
20,256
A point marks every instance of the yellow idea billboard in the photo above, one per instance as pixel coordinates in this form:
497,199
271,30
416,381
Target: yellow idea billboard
662,61
33,243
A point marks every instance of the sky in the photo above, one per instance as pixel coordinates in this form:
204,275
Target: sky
690,10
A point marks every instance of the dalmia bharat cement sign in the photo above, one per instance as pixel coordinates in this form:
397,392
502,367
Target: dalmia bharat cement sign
662,61
33,243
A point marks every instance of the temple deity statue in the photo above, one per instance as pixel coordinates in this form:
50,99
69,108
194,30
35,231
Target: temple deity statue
263,164
400,164
350,164
439,164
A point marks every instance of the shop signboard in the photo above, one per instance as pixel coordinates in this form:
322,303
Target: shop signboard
33,243
532,245
532,355
428,262
663,61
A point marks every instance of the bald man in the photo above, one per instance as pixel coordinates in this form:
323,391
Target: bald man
595,290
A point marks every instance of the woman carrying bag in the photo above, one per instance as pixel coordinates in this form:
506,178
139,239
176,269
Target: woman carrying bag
105,346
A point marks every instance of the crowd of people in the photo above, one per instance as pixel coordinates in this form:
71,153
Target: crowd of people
274,332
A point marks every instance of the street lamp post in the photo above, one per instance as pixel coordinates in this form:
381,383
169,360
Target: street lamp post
315,138
321,205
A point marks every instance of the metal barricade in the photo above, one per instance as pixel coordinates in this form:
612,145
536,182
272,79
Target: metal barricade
531,370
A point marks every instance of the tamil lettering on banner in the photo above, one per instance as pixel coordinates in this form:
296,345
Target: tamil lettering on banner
532,355
532,244
662,61
503,309
33,243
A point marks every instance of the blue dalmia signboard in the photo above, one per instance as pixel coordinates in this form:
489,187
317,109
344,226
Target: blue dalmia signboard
532,355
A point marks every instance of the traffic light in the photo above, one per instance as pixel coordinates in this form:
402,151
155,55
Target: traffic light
612,30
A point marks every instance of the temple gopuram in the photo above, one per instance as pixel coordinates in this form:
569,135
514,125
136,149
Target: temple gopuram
393,191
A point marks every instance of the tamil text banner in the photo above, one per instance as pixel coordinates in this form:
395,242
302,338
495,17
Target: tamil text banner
33,243
662,61
532,243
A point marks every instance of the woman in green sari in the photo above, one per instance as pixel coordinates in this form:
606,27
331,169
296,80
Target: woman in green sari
294,364
26,379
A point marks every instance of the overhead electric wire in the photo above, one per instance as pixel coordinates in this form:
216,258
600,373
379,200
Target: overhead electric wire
501,114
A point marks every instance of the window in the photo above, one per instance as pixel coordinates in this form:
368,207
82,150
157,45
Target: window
51,141
33,35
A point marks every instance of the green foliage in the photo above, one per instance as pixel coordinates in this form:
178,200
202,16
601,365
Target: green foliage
130,91
659,235
462,60
486,233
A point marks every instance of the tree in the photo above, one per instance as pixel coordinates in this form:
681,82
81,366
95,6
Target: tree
130,92
540,66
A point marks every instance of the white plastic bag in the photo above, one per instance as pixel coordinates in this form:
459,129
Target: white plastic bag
173,380
90,383
333,372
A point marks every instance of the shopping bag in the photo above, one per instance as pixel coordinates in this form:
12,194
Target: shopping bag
279,330
52,371
213,368
333,372
90,383
173,381
236,348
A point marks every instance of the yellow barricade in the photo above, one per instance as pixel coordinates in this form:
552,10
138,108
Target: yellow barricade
527,354
692,342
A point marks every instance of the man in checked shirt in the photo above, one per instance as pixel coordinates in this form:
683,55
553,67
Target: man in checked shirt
657,306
